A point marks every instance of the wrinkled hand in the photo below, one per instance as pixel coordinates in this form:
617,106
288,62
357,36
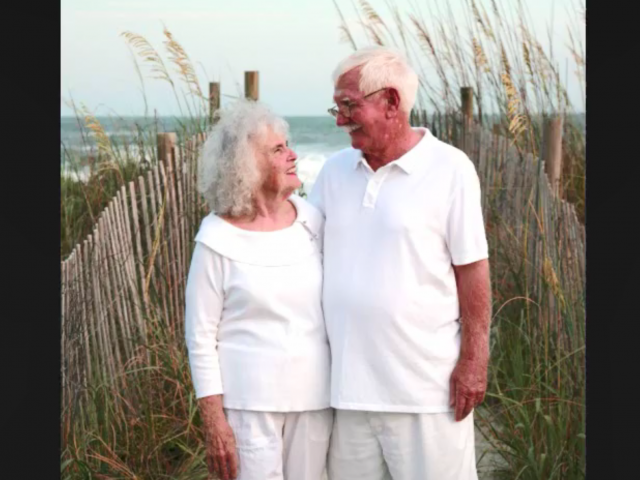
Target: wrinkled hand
468,385
222,457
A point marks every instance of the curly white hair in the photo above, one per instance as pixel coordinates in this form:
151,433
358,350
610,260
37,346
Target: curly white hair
228,171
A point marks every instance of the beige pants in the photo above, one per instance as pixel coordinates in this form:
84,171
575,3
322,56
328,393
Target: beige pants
281,446
401,446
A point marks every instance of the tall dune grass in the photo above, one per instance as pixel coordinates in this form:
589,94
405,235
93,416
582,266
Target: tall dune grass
150,429
494,48
143,423
112,164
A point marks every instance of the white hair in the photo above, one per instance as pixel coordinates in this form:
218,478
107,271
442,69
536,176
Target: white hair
228,170
382,67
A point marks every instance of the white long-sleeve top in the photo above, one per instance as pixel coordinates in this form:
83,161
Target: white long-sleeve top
254,325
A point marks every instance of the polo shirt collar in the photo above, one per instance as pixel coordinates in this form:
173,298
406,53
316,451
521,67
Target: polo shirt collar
410,160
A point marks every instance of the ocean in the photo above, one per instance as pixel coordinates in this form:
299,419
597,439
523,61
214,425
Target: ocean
312,138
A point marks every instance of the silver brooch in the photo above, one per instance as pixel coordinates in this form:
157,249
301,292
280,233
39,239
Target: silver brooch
314,236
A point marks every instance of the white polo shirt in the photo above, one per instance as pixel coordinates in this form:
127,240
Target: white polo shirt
253,324
390,300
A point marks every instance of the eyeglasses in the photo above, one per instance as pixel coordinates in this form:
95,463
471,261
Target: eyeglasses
345,110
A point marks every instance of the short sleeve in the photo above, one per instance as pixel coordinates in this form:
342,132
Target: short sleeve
466,237
204,301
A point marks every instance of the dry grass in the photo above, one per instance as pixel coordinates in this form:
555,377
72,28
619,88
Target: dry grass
149,430
112,165
494,49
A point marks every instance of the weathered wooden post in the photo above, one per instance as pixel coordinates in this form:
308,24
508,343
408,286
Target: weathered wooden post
466,94
553,152
432,127
166,141
448,133
251,85
214,99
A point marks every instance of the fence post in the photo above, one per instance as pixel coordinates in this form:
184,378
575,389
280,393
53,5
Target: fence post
466,94
251,85
214,99
166,141
424,122
553,152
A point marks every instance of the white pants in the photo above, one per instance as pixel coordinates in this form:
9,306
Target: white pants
401,446
281,446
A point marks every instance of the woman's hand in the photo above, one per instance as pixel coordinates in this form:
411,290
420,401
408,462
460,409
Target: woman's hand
222,456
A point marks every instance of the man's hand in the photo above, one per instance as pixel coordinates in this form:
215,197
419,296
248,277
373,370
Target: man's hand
222,456
468,385
468,382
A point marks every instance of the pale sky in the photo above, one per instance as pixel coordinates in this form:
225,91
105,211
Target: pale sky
294,44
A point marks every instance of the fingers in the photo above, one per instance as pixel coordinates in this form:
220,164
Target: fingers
232,459
465,401
215,463
222,463
211,463
463,407
452,391
459,405
467,408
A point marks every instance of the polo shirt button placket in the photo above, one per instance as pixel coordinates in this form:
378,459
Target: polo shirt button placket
373,187
370,194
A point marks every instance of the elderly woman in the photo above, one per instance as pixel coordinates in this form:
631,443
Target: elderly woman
255,332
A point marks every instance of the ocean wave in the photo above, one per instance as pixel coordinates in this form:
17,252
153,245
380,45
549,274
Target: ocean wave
308,167
75,174
81,153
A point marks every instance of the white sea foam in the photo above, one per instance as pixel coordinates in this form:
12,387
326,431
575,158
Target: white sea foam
308,168
314,139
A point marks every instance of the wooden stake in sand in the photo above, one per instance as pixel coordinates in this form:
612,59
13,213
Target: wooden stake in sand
251,85
553,152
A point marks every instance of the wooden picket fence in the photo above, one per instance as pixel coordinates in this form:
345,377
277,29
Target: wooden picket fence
519,202
521,208
131,271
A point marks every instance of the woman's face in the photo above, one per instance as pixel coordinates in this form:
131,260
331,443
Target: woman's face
276,162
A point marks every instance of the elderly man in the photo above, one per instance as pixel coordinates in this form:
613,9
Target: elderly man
406,293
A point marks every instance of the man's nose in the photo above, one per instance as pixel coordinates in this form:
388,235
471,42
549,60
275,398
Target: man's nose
342,120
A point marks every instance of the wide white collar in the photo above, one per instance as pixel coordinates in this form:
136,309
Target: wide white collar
288,246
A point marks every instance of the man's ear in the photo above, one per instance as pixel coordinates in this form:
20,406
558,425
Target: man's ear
393,102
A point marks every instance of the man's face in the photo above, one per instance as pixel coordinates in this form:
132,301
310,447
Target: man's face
367,122
276,162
